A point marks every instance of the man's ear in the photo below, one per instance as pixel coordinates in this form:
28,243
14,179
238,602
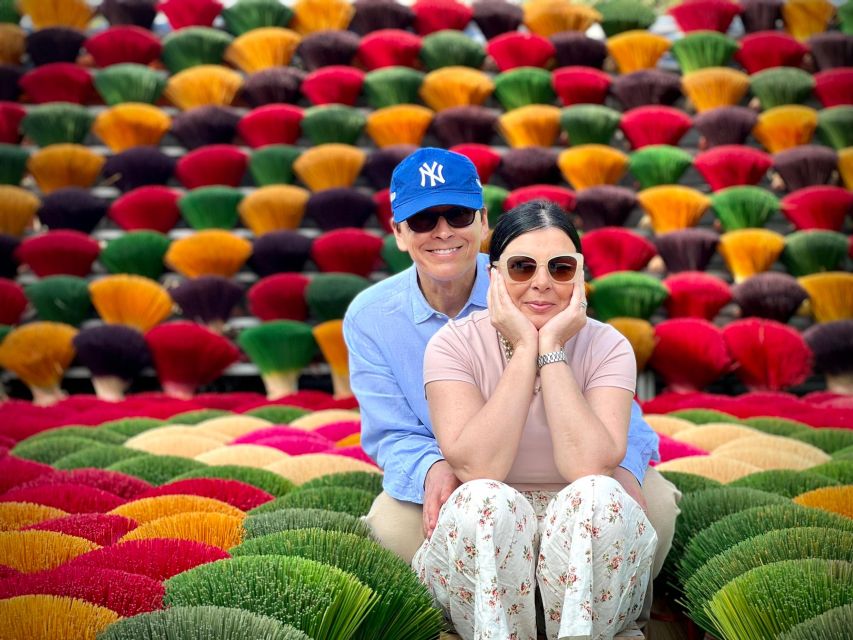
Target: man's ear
484,212
399,236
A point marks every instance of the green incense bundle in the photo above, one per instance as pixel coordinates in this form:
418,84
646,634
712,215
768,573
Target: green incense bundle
97,436
776,426
840,470
197,416
60,299
273,164
98,456
129,83
451,48
281,349
845,15
781,85
9,11
701,49
265,480
156,470
494,198
264,520
390,86
618,16
404,608
278,413
330,123
814,251
743,207
13,164
775,546
137,252
835,126
827,438
834,623
395,259
730,530
190,623
770,600
704,416
129,427
589,123
627,294
370,482
355,502
523,86
329,294
689,482
845,454
57,122
194,46
49,450
319,599
784,482
246,15
659,164
211,207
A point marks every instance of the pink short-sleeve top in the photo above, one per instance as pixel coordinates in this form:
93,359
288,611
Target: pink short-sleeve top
468,350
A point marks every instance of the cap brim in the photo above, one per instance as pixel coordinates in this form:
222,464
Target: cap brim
436,199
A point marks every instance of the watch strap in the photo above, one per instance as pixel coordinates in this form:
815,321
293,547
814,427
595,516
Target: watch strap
550,358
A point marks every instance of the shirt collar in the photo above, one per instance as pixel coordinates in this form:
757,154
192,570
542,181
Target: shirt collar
421,309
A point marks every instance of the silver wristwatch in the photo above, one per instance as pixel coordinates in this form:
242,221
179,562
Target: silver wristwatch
550,358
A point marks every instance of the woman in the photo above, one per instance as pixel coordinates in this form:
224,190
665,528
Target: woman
530,403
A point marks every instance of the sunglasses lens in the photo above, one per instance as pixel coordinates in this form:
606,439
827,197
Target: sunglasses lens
563,268
457,217
520,268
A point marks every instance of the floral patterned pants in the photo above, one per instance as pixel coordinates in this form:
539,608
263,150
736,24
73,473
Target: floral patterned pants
589,548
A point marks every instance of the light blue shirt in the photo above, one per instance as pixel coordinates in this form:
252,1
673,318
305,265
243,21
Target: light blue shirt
387,328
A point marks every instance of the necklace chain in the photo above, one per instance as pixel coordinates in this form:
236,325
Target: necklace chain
508,350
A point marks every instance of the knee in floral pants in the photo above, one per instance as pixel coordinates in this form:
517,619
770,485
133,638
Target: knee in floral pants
589,548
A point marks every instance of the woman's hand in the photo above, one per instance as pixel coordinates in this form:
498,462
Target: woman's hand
566,324
506,317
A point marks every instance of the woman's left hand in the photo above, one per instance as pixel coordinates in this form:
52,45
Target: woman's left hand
566,324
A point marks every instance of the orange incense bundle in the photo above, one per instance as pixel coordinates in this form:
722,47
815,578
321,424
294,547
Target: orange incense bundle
636,50
784,127
750,251
830,295
714,87
134,301
39,353
690,354
769,355
589,165
212,252
613,249
347,251
187,356
673,207
330,338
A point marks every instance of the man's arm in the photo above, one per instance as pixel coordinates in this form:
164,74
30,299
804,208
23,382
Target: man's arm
642,448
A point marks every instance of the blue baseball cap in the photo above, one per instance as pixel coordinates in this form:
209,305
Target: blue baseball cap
431,177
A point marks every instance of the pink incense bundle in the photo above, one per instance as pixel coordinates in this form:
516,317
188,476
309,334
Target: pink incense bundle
580,85
333,85
347,251
238,494
218,164
437,15
271,124
389,48
11,115
159,559
690,354
295,445
16,471
71,498
516,49
120,484
704,15
561,195
337,431
279,297
58,82
770,356
101,528
670,449
695,294
125,593
13,302
821,207
767,49
281,431
187,356
484,157
123,44
649,125
834,87
731,165
190,13
615,249
61,252
153,207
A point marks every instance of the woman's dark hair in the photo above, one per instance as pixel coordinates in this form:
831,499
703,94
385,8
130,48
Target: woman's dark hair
530,216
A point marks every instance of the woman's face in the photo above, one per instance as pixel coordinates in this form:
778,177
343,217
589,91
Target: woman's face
540,298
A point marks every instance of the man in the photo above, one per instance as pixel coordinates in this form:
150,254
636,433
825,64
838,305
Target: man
437,204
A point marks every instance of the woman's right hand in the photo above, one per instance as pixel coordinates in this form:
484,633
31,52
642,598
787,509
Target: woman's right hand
507,318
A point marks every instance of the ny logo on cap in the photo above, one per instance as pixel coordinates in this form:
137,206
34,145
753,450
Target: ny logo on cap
434,173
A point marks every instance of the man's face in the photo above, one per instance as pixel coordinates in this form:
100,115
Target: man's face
445,252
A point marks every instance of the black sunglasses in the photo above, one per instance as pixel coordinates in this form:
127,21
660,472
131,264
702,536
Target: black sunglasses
457,217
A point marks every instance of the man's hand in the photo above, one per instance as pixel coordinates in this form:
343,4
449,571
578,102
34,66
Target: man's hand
631,486
439,484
